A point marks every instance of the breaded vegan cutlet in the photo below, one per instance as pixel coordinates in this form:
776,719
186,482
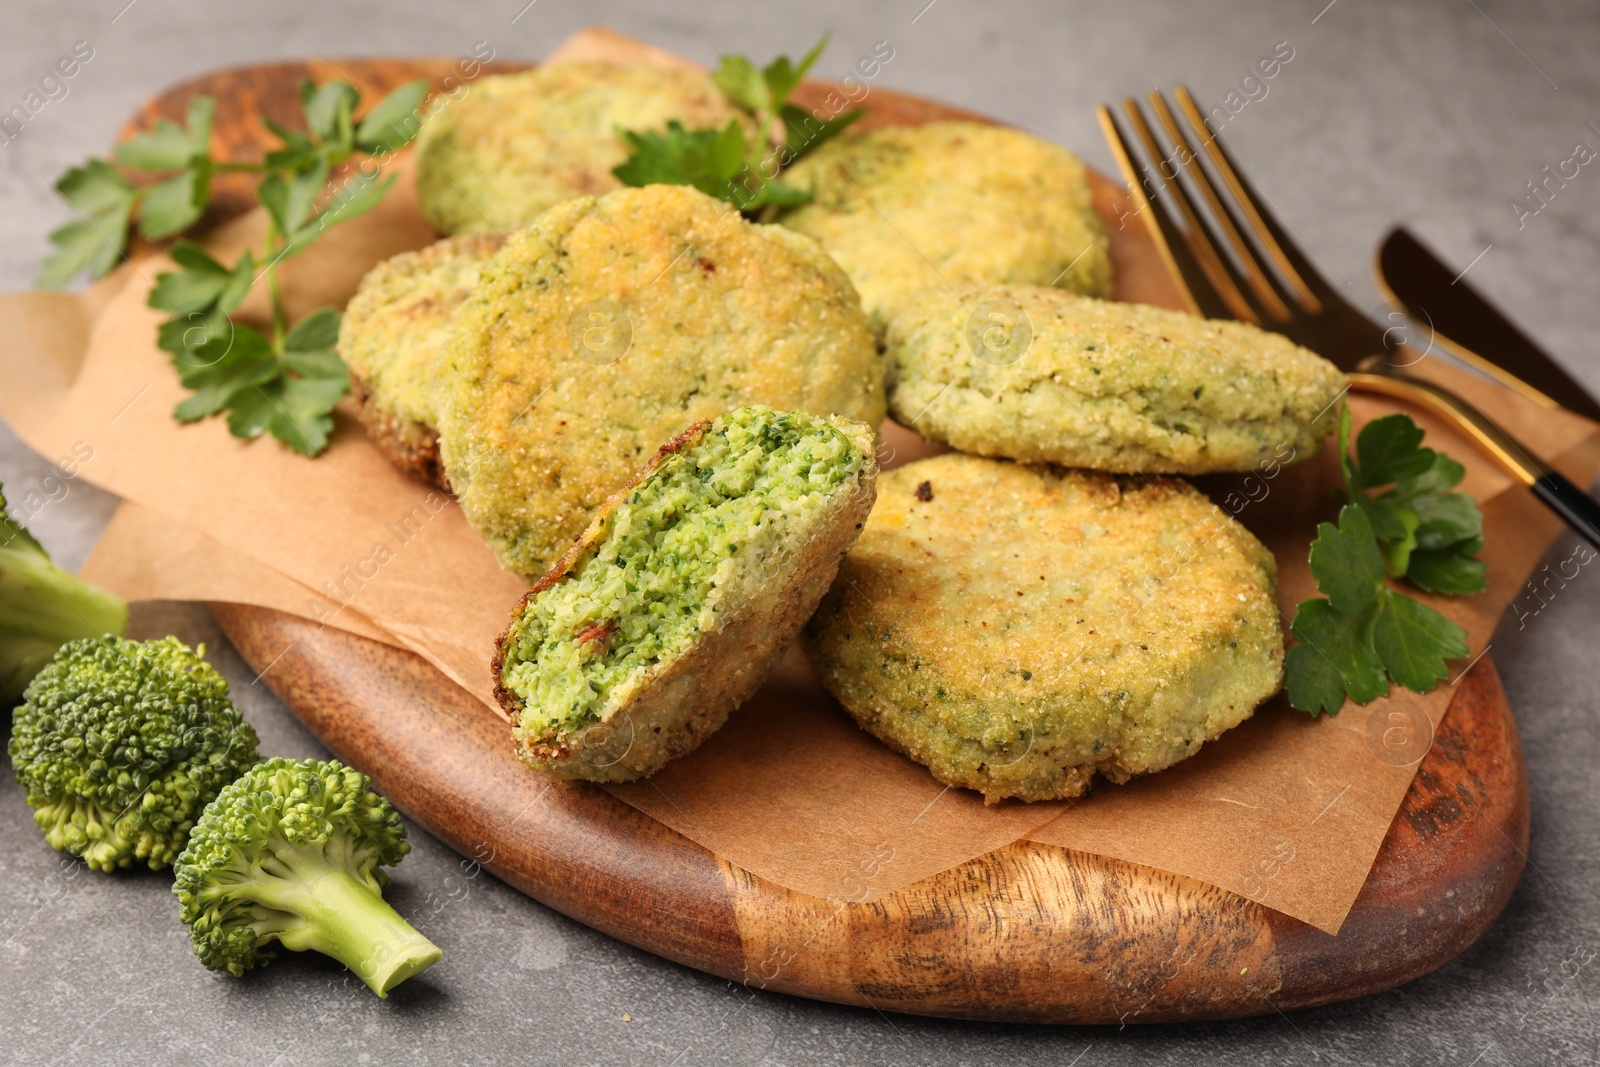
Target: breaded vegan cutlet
392,338
681,595
609,325
1020,629
1033,373
516,145
906,208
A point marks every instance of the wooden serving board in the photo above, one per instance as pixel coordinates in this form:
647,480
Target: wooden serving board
1026,933
1029,933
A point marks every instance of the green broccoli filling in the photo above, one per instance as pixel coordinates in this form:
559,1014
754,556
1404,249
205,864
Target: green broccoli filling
642,596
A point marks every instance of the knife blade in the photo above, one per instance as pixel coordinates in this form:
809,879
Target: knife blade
1412,277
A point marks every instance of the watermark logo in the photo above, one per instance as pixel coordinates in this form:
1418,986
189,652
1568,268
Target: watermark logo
1403,344
51,86
600,333
1542,190
1542,588
52,489
610,736
1252,88
1399,736
339,592
999,332
205,334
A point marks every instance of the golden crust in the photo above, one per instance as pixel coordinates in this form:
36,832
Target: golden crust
1037,374
1020,629
392,338
906,208
411,448
607,326
516,145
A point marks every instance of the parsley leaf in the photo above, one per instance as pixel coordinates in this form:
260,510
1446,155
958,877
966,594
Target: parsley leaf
1451,570
724,163
296,405
1446,519
1334,655
1413,640
289,197
1418,516
775,193
1362,635
1443,474
328,109
104,201
219,367
286,384
309,348
705,159
163,147
173,205
764,91
393,123
168,146
804,131
738,78
298,151
290,394
355,197
297,411
200,297
1346,561
1389,450
202,283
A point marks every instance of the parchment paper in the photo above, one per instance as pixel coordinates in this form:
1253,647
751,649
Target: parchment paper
1283,808
1286,810
143,555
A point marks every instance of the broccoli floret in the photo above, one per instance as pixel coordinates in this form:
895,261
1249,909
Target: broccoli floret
120,744
292,852
42,607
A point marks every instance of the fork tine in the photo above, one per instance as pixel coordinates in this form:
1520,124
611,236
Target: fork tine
1285,255
1197,290
1253,276
1195,235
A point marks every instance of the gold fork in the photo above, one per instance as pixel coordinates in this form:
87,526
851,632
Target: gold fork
1202,239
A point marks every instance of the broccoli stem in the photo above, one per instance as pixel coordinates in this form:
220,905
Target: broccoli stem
42,607
345,917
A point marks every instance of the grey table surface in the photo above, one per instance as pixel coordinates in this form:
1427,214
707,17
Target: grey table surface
1432,113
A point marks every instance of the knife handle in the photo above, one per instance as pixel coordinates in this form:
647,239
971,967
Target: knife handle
1580,510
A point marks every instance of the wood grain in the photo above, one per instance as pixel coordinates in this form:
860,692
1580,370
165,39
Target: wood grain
1026,933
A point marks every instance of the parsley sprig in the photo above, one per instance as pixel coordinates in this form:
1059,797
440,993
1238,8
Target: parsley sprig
1361,634
725,163
286,384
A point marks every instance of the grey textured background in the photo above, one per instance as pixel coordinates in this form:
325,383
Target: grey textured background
1434,113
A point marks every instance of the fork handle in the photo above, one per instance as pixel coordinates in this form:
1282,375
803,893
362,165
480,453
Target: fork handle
1577,509
1580,510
